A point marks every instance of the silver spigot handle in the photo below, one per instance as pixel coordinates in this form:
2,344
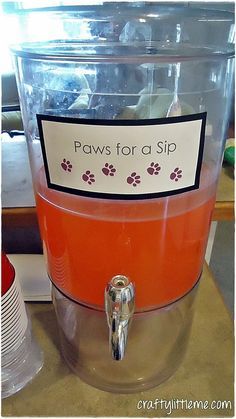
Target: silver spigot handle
119,306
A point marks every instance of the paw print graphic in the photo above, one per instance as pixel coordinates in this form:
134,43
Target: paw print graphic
66,165
154,168
133,179
109,170
88,177
176,174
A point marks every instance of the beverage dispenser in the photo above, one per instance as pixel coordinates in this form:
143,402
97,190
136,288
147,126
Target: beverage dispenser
125,110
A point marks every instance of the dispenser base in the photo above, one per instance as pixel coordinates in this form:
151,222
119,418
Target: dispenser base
157,343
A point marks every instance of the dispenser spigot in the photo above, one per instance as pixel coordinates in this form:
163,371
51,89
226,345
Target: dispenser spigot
119,306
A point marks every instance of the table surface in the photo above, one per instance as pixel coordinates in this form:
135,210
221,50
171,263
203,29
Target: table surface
205,374
17,190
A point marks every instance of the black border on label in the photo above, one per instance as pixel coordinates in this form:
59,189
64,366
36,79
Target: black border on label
118,122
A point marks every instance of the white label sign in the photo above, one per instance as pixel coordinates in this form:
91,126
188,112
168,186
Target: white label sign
123,159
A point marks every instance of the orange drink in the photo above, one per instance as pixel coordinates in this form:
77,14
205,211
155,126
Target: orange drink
161,251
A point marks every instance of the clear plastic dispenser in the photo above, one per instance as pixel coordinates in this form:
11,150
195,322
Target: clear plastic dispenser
125,110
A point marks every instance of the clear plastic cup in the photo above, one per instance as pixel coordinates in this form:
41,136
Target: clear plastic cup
21,357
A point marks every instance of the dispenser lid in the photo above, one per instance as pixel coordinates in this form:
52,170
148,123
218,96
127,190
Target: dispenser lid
126,31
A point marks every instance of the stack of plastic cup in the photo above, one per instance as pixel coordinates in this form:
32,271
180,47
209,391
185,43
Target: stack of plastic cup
21,356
